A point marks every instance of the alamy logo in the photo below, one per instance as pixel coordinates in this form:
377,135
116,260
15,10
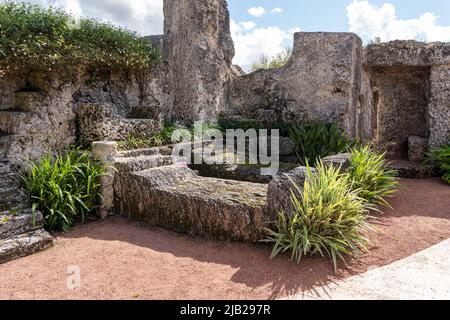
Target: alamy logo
212,146
73,277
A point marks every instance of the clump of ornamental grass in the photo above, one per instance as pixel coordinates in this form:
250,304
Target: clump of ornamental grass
369,176
329,218
441,158
65,187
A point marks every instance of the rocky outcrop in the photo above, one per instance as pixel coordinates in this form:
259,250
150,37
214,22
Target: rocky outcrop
320,82
279,195
98,121
341,161
199,55
417,147
410,83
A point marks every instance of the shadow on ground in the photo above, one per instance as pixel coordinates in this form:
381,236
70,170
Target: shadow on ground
406,229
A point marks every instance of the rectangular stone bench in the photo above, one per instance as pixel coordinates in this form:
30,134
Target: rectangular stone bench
177,198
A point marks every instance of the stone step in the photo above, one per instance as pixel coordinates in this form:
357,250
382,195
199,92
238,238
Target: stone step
15,223
146,152
13,199
24,244
141,163
12,122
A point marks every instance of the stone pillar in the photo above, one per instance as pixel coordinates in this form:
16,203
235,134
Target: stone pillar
199,52
439,107
106,152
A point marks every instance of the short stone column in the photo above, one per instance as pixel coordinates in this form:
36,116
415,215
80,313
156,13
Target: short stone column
106,152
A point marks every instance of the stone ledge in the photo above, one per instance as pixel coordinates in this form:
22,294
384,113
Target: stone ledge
24,245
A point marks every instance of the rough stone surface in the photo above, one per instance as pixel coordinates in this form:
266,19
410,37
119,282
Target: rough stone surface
176,198
105,151
24,244
280,191
417,147
401,102
410,95
320,82
407,53
439,107
287,147
100,122
250,173
38,112
413,170
200,51
21,231
341,161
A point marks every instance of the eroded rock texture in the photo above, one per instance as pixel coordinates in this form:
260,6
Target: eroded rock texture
38,113
177,198
410,83
321,82
199,54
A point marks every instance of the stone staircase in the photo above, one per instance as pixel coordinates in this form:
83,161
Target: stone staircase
21,232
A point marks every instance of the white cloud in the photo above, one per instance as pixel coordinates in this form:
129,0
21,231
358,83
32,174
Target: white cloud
250,45
370,21
257,12
276,10
248,25
143,16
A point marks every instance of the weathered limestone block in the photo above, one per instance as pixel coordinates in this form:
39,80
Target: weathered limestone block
24,244
320,82
407,53
417,147
280,190
439,107
410,93
341,161
98,121
175,198
200,51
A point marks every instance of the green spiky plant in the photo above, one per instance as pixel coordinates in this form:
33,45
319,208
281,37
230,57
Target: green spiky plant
368,173
441,158
317,141
64,187
328,218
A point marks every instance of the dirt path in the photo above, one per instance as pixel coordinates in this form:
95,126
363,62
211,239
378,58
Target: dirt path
121,260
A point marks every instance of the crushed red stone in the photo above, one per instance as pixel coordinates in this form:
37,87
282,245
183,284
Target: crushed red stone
119,259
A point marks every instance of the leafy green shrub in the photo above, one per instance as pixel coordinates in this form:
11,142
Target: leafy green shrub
65,188
329,218
33,38
368,174
277,61
441,158
317,141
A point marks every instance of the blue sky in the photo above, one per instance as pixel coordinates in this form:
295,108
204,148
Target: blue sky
330,15
267,26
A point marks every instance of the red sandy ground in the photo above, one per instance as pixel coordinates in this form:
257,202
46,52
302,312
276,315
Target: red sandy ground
122,260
